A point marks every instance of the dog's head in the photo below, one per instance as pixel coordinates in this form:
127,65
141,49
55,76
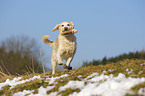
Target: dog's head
64,26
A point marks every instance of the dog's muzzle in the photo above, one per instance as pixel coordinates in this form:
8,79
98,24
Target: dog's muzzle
66,29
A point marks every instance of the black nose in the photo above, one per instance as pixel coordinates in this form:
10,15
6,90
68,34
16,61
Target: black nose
65,28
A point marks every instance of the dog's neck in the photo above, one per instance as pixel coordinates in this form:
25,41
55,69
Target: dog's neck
69,37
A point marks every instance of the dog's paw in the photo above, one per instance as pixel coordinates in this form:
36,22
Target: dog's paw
67,67
60,63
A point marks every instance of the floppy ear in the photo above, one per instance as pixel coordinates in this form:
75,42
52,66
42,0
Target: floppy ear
56,27
72,24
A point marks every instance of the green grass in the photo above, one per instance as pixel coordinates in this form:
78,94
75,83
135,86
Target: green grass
119,67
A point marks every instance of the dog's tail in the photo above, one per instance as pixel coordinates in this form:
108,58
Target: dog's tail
46,41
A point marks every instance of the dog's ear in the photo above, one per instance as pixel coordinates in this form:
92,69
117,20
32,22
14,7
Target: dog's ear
72,24
56,27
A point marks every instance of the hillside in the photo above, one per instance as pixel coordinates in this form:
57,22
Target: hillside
126,77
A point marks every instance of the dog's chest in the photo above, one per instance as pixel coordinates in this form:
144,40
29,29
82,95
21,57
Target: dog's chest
68,45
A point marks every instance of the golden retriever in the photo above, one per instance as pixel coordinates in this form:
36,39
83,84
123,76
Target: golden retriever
64,46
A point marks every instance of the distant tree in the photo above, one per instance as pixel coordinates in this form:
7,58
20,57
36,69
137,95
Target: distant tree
105,60
19,55
143,54
23,44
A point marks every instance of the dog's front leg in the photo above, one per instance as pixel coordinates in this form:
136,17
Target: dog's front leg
67,65
60,62
68,61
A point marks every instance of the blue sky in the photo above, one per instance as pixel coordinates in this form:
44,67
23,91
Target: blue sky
105,27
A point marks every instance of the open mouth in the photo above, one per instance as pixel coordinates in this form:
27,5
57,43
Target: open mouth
66,33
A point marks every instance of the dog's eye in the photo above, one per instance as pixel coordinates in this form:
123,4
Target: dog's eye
68,24
62,25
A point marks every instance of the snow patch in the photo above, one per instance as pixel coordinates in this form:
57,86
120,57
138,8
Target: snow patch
142,64
17,81
140,72
129,72
72,85
52,79
41,91
141,91
94,84
109,85
23,93
10,82
92,75
53,94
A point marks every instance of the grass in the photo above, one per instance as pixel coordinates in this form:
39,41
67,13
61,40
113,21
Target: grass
137,87
4,77
68,91
123,66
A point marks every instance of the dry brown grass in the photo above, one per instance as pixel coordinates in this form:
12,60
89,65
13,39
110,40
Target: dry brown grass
119,67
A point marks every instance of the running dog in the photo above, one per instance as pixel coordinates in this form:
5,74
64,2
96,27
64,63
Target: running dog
64,46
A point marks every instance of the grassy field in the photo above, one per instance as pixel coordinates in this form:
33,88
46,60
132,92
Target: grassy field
130,68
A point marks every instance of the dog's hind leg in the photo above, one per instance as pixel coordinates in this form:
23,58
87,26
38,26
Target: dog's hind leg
54,64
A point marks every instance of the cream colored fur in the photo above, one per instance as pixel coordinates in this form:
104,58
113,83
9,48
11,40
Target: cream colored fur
64,46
